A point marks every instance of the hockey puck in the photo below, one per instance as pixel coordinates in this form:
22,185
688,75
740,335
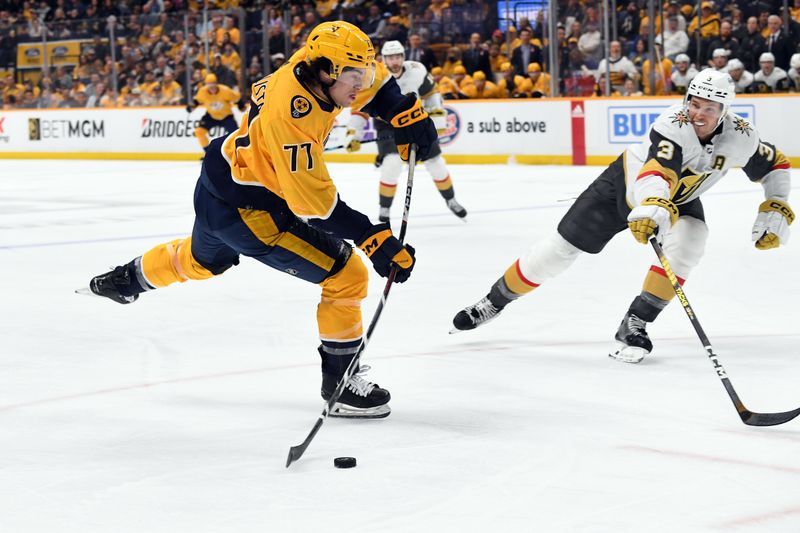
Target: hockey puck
344,462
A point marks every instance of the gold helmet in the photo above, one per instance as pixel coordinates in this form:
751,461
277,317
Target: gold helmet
344,45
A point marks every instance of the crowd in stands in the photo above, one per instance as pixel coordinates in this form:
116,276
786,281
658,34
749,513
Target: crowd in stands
158,62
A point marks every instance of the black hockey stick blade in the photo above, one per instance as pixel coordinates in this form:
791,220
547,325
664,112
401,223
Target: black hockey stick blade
296,452
758,419
768,419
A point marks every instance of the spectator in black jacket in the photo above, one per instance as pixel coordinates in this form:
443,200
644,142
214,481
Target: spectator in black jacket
476,58
628,25
375,24
417,51
778,43
526,53
751,46
725,40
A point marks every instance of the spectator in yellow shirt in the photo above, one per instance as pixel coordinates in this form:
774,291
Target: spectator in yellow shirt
461,78
537,84
510,85
438,7
480,88
447,87
496,59
515,41
452,61
663,75
710,22
149,84
230,58
405,16
171,90
222,26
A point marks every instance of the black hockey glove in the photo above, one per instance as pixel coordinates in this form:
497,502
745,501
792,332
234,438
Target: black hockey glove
412,125
385,252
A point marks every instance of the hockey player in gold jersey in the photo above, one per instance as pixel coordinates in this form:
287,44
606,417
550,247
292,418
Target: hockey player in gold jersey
218,100
265,192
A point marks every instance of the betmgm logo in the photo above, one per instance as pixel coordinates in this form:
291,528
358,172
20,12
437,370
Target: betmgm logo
630,124
41,129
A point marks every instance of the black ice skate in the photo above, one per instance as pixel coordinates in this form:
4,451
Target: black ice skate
457,209
113,284
632,342
383,214
360,398
475,315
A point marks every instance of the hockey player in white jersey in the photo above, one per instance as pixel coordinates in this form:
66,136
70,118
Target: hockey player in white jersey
770,79
794,72
653,189
742,80
683,75
412,77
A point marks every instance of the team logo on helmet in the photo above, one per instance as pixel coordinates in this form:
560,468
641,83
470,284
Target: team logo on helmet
741,125
300,106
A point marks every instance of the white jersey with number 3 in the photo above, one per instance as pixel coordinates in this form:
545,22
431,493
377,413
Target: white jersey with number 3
701,166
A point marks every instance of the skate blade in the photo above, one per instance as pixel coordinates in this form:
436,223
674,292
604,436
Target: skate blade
627,354
86,291
345,411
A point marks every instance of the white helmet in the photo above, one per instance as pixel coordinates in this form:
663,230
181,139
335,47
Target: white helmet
391,48
766,57
715,86
794,62
735,64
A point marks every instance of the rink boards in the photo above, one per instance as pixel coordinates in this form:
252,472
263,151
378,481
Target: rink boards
552,131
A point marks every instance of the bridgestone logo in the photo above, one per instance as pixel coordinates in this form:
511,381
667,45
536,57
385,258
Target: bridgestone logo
168,128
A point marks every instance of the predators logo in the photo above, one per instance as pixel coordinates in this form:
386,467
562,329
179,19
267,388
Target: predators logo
681,118
300,106
741,125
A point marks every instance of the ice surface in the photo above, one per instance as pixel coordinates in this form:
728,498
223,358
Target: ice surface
176,413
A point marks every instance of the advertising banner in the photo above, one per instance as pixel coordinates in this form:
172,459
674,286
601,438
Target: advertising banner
29,55
525,130
613,124
544,131
136,132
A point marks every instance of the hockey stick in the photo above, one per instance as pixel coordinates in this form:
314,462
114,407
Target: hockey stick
296,452
748,417
376,139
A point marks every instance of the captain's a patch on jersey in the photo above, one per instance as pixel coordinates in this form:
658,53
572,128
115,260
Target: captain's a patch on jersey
300,106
